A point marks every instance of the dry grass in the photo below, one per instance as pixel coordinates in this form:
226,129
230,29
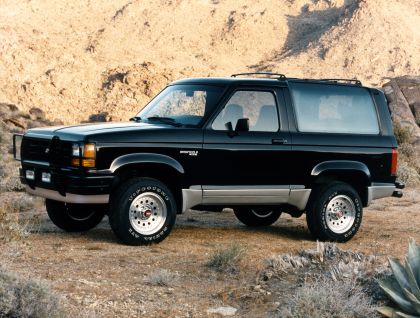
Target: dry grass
328,299
325,282
226,260
408,174
27,298
161,277
408,164
327,260
402,134
13,226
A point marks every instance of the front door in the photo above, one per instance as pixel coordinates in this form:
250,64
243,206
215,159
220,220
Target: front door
251,160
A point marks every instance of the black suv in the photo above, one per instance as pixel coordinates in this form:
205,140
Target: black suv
260,146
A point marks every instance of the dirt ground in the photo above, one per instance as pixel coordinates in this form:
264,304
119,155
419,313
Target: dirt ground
97,274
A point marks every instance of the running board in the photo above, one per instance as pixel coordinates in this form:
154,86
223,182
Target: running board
245,195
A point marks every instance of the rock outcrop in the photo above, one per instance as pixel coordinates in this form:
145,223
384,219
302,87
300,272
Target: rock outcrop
15,120
403,94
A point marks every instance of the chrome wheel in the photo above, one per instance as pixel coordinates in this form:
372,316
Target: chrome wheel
261,213
80,214
148,213
340,214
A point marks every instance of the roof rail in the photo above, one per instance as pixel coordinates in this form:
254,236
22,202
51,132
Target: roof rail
343,80
268,74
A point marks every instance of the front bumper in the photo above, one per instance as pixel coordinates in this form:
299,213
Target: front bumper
68,197
67,185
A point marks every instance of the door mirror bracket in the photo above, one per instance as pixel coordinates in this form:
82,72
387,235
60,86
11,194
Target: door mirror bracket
231,133
242,125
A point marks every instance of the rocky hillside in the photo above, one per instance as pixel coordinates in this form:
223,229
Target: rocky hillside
76,59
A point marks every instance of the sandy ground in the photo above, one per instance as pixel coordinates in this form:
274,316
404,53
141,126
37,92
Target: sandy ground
93,271
74,59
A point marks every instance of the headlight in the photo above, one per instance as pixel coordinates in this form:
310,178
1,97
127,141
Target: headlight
76,150
88,157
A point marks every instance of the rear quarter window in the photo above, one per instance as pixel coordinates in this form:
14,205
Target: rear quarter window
334,109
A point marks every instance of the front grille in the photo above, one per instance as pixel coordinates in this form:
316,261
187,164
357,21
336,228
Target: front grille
35,149
60,152
55,151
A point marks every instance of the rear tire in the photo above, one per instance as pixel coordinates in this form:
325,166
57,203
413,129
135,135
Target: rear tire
143,211
257,216
75,217
334,212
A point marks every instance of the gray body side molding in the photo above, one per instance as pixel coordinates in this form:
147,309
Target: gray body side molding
145,158
296,195
341,165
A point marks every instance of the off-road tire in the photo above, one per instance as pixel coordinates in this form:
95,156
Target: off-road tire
256,216
142,222
334,212
75,217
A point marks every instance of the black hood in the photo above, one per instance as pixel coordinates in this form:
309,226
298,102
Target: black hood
112,132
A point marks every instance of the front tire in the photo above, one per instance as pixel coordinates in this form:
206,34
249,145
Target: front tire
75,217
143,211
257,216
335,212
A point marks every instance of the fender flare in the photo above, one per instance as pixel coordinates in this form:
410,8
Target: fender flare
341,165
136,158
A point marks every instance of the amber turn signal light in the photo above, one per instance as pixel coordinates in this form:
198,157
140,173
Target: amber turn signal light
88,163
88,160
89,151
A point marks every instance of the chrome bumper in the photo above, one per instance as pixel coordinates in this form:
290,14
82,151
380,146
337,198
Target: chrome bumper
69,197
380,190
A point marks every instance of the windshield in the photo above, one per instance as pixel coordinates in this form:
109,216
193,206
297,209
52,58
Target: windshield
182,105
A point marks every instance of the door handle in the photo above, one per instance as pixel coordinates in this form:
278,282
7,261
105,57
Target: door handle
280,141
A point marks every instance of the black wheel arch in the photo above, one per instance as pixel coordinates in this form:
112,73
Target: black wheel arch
354,173
160,170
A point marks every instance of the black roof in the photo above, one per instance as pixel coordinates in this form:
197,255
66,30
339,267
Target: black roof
222,81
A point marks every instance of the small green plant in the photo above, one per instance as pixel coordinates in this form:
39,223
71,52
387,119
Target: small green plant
404,286
226,260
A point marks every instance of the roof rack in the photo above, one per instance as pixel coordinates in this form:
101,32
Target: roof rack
268,74
342,80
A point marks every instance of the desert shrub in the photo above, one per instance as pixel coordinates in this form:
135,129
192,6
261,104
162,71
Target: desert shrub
402,133
10,177
27,298
226,260
407,150
328,299
326,260
161,277
12,226
407,173
12,183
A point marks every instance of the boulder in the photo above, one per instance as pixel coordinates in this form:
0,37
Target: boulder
403,95
36,113
403,111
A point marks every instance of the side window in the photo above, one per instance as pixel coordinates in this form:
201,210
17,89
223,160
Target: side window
334,109
258,106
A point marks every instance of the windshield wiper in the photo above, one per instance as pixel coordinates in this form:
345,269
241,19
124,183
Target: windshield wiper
136,119
165,120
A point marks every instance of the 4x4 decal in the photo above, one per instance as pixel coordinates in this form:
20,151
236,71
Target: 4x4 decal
193,153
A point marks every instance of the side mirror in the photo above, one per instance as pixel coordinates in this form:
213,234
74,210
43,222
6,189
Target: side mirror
242,124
